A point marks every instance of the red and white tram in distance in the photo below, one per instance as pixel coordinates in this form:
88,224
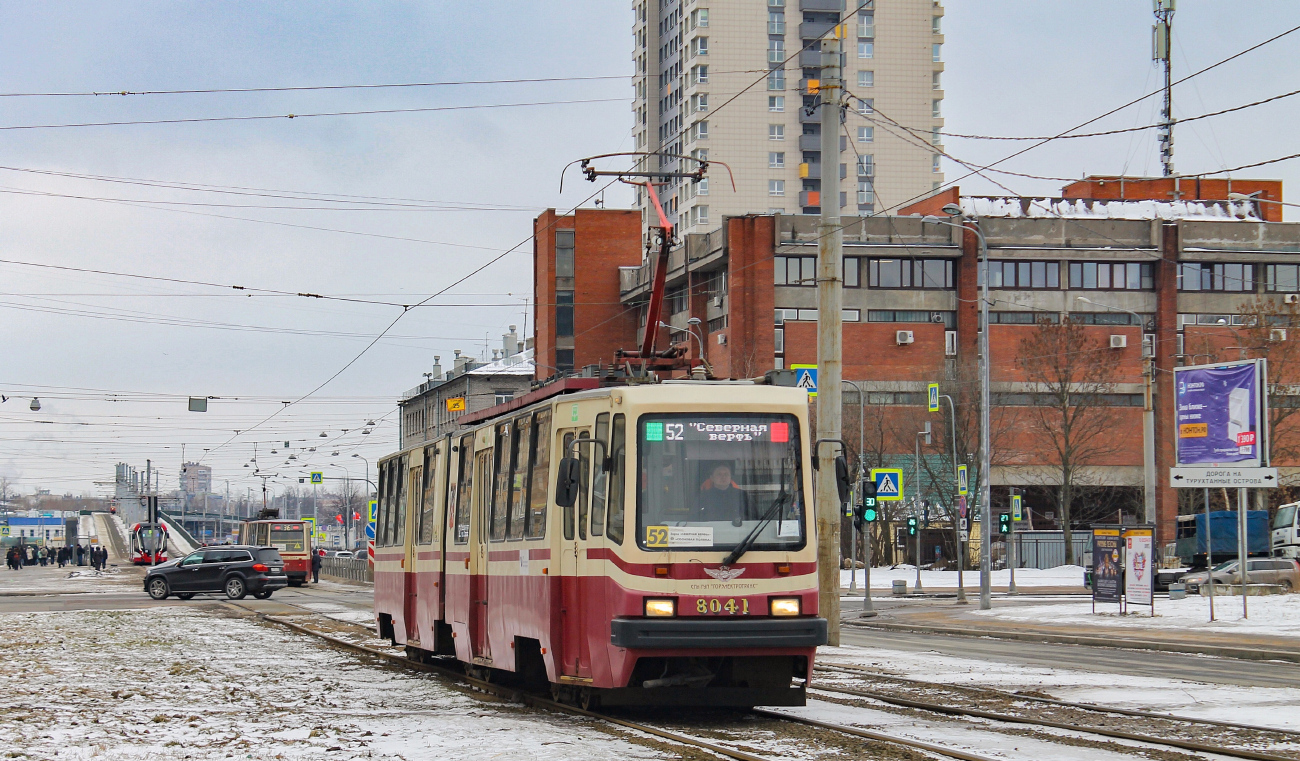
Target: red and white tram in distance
629,545
149,543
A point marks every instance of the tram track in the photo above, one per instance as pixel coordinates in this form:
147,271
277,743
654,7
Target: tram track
677,737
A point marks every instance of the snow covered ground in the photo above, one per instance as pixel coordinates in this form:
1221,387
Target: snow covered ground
54,580
883,578
1261,706
1275,615
135,684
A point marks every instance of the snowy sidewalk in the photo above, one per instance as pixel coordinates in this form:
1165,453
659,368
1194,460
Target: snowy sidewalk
1270,631
1064,579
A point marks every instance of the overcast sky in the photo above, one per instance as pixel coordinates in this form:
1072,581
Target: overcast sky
112,359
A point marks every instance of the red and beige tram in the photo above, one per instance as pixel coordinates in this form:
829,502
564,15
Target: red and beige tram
291,537
630,545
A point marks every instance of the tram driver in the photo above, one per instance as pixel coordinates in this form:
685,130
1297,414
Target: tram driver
721,499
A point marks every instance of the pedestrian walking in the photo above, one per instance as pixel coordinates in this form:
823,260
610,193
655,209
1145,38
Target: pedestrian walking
31,555
41,556
316,558
81,555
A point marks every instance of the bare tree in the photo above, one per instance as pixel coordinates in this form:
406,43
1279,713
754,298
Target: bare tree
1071,375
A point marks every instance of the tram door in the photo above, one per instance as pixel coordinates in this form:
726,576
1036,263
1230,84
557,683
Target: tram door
574,608
415,496
479,555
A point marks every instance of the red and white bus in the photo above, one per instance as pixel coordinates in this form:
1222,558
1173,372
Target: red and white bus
291,537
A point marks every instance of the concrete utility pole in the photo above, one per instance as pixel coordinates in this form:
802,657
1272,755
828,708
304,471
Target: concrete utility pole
830,299
1161,39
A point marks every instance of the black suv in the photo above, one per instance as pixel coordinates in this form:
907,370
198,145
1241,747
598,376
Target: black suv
235,570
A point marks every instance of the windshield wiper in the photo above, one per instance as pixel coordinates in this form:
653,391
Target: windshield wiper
771,513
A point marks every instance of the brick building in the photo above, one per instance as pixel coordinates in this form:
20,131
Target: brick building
1193,272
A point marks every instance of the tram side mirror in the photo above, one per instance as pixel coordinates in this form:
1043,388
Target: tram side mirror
566,482
842,479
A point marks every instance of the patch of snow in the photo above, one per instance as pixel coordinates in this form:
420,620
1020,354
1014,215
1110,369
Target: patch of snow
1077,208
883,578
1260,706
138,685
1274,615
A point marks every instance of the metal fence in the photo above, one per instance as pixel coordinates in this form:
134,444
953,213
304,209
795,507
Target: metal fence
352,569
1046,549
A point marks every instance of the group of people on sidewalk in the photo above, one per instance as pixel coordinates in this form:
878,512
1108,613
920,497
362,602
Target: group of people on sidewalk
25,555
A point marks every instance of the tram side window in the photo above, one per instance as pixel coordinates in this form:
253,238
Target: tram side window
617,481
568,511
518,478
397,532
464,489
501,483
428,525
386,519
584,483
383,503
601,478
540,482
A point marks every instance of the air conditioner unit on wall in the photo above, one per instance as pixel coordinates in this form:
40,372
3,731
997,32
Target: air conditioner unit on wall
936,317
1118,342
1277,334
722,339
904,337
1291,298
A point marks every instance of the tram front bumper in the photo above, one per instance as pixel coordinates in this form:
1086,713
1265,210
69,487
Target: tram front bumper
731,633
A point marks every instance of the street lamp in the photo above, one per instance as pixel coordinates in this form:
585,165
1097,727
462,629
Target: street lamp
961,553
693,322
1148,418
986,474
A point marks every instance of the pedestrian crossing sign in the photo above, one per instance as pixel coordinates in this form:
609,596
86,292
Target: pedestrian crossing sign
317,478
1017,511
889,484
805,377
4,531
963,481
932,397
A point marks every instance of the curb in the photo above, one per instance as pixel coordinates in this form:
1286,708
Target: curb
1241,653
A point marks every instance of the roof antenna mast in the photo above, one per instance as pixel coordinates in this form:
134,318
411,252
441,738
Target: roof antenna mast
1161,36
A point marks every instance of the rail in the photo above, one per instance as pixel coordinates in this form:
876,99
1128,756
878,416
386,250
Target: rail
352,569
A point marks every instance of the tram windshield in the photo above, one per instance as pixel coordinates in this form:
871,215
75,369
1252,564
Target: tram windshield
707,481
289,537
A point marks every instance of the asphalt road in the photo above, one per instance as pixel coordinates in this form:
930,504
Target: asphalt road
1196,668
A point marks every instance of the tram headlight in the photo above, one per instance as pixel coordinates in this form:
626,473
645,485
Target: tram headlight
785,606
660,608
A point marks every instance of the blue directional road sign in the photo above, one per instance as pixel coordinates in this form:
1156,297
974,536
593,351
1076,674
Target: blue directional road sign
370,523
889,484
805,377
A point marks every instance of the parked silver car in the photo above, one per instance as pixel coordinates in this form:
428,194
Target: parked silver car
1283,571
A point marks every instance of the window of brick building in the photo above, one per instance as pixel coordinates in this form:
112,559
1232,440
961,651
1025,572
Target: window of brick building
917,274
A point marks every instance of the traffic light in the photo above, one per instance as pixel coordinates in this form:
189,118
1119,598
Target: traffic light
911,526
865,512
1004,523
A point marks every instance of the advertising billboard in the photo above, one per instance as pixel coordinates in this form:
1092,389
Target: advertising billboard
1139,565
1107,564
1220,413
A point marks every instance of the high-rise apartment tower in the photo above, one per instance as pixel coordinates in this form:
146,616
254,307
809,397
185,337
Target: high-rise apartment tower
693,59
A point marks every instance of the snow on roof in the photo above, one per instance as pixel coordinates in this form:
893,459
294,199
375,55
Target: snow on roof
1046,208
515,364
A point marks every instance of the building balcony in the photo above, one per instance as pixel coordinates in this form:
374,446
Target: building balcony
812,30
814,143
821,5
811,58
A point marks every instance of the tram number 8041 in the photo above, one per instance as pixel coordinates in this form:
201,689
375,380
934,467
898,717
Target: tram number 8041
715,606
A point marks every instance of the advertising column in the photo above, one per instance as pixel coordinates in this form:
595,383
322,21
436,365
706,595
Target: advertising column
1106,565
1139,570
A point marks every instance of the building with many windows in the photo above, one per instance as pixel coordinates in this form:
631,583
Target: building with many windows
1177,275
728,81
